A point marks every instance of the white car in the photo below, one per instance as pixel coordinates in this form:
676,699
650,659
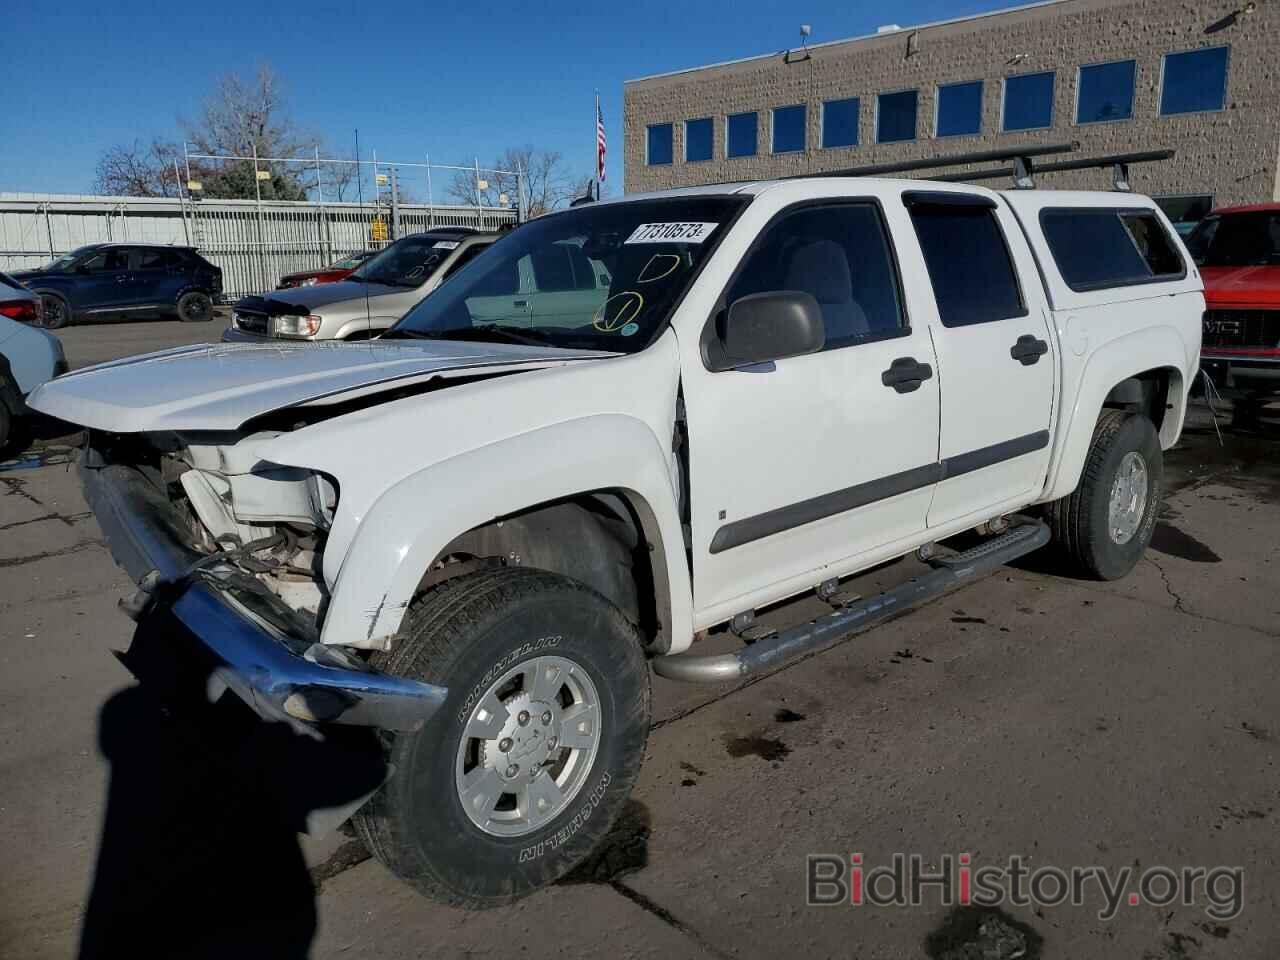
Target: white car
28,356
481,530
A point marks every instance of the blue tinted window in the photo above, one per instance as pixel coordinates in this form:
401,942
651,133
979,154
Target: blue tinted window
840,122
788,129
896,119
1028,101
960,109
1194,81
697,139
659,144
740,135
1106,92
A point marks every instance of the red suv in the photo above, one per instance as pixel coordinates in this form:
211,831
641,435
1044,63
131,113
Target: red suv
1238,251
330,274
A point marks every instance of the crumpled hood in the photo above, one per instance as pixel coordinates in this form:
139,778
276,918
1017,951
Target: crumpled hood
1245,286
219,387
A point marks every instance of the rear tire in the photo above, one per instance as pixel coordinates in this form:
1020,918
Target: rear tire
195,307
6,426
1103,527
459,820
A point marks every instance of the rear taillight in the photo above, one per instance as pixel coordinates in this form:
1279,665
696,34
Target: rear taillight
23,310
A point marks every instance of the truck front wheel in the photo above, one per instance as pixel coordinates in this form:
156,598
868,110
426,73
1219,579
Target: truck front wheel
521,773
1104,526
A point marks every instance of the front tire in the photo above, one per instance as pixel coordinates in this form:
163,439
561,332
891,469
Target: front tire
1104,526
55,312
195,307
520,774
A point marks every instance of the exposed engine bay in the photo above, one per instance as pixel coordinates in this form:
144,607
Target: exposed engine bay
268,521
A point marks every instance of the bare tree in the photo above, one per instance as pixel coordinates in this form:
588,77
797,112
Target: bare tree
139,170
548,182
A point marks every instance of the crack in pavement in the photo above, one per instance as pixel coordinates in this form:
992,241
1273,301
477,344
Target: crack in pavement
70,519
1178,605
18,488
32,558
666,916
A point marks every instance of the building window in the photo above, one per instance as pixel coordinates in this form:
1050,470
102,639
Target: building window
1105,92
840,122
896,116
1194,81
788,129
959,109
698,135
659,145
740,135
1028,102
1186,211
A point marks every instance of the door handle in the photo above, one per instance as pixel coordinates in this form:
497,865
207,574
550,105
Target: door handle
520,303
1028,349
122,278
906,375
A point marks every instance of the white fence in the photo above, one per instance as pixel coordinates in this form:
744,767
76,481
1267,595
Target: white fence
254,243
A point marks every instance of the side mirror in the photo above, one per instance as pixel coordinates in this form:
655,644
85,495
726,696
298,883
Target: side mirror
771,326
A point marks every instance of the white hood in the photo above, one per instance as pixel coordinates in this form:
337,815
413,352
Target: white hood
219,387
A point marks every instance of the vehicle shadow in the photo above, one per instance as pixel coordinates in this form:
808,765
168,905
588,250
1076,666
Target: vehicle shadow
199,855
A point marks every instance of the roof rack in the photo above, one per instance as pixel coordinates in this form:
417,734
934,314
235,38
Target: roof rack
1021,156
1022,171
1119,163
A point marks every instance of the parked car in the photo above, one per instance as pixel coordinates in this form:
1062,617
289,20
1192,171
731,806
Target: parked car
330,274
479,531
28,357
125,281
377,294
1238,250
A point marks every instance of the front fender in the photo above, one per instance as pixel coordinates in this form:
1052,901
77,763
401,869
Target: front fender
409,524
1151,348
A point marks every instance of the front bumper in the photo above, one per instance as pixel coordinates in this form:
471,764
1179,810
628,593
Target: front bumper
280,675
234,334
1242,371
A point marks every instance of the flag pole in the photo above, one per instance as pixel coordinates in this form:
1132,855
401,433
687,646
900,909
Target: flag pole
595,139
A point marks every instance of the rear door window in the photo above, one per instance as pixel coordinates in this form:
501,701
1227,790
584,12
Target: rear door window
1095,249
968,259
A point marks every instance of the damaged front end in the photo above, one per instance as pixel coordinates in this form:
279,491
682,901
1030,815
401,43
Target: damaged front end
231,546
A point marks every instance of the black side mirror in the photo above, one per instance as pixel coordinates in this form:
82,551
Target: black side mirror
771,326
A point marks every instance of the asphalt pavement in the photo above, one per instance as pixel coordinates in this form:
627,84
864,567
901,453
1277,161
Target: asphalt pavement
1065,724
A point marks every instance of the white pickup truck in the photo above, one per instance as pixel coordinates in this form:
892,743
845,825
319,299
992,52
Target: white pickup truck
479,532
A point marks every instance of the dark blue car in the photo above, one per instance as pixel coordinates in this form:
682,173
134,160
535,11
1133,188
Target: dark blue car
125,281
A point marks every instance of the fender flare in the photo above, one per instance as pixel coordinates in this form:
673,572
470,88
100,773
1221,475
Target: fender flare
369,325
411,522
1106,368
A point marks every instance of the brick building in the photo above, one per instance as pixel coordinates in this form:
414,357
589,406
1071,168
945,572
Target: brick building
1196,76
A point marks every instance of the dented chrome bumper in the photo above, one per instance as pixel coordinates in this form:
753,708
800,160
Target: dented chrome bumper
280,675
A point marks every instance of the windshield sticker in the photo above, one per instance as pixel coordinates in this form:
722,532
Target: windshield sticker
445,245
682,232
629,329
660,265
618,311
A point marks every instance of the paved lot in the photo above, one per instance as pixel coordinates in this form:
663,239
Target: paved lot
1128,724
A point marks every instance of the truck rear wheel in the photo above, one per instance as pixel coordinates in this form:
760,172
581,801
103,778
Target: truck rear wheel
1104,526
521,773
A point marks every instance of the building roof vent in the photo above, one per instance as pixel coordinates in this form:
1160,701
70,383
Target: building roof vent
888,28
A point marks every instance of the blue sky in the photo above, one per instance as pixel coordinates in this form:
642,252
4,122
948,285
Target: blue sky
416,78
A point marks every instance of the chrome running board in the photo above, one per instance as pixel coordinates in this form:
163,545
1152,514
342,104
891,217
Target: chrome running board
793,643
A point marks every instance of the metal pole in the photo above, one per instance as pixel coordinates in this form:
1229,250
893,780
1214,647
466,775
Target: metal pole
395,206
48,228
431,212
323,221
186,233
522,212
595,139
257,192
479,214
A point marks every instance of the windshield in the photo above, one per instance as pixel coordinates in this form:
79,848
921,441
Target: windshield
595,277
65,261
1237,239
406,263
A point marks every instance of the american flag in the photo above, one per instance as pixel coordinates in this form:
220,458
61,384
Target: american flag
599,141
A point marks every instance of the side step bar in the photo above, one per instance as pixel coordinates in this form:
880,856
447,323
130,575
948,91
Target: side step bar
827,631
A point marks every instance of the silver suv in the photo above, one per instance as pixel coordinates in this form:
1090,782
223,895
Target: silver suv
370,300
